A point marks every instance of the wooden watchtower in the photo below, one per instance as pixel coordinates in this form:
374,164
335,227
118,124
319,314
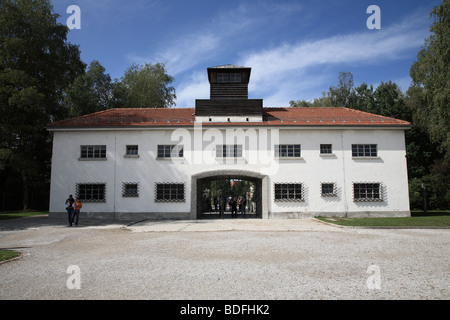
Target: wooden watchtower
229,97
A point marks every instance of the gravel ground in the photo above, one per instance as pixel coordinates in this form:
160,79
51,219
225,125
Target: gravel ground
243,262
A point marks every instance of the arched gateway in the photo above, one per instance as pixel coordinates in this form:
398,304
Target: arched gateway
260,181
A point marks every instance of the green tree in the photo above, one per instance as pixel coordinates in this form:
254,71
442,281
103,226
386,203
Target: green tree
146,86
90,92
342,94
323,101
300,104
429,94
363,98
389,101
36,65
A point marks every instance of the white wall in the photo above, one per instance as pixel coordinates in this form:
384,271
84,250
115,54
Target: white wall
389,168
310,170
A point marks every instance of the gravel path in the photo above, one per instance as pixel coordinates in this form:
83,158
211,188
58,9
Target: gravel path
223,260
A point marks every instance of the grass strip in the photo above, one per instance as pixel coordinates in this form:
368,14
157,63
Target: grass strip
8,254
20,214
431,220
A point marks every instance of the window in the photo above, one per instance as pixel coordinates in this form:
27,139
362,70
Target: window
326,149
288,192
91,192
169,151
93,152
327,189
229,151
130,190
367,192
169,192
287,151
364,150
228,77
132,150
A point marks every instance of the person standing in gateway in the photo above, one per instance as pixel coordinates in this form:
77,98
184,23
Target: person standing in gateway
76,212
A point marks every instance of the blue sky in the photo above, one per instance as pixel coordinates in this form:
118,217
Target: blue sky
296,49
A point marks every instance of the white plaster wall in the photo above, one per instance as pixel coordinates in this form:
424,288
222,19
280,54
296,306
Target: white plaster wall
310,170
389,168
67,170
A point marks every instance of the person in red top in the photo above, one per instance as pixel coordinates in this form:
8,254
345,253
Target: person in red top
76,212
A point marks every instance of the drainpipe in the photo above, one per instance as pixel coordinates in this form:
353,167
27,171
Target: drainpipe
344,189
115,174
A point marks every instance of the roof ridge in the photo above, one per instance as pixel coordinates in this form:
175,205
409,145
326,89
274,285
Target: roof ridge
307,116
373,114
86,115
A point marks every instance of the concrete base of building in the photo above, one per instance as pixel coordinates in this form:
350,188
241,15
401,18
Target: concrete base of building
187,215
126,215
355,214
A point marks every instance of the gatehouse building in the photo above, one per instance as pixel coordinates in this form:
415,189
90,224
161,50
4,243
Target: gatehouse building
170,163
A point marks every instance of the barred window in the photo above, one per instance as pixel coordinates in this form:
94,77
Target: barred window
364,150
93,152
169,151
367,192
130,190
326,149
91,192
169,192
132,150
287,151
328,189
229,151
288,191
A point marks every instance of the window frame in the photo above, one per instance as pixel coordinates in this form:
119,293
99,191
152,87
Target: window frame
333,193
224,151
130,152
95,195
130,194
169,151
170,192
229,77
92,152
366,151
288,192
291,151
324,147
367,188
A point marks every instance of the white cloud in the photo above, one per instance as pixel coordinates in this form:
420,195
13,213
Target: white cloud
197,88
282,72
362,47
215,37
184,54
289,65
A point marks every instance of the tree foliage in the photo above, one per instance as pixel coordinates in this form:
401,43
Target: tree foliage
142,86
90,92
341,95
36,65
429,95
146,86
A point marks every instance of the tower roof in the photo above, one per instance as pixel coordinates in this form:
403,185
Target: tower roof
229,66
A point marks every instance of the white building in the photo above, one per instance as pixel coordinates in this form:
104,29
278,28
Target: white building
301,162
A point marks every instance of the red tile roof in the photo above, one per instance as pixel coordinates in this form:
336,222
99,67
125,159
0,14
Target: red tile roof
163,117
